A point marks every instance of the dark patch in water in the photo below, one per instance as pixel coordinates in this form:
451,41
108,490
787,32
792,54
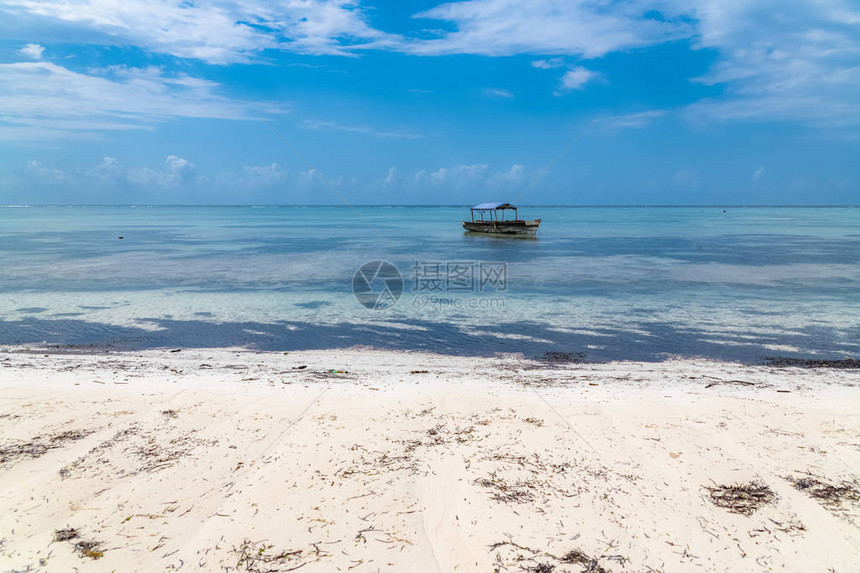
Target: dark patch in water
529,338
313,304
31,309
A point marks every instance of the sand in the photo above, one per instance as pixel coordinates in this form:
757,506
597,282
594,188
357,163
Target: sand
230,460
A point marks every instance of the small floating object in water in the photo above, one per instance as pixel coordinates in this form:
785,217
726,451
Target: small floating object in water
176,350
120,237
302,367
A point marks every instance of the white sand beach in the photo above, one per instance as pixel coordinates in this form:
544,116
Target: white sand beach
363,460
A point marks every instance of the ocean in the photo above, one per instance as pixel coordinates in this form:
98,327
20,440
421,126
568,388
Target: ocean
604,283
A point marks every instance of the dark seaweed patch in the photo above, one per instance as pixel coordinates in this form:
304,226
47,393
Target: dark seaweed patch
745,498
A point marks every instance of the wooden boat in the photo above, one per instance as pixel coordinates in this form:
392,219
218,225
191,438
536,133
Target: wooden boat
490,218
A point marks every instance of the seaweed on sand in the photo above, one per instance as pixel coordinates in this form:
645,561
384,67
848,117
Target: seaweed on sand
832,497
82,547
506,491
89,549
148,451
530,560
577,557
258,557
563,357
781,361
66,534
742,498
40,445
519,478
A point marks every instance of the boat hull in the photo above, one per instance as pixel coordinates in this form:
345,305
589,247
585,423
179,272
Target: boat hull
522,228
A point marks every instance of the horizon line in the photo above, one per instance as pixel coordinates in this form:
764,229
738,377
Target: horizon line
425,205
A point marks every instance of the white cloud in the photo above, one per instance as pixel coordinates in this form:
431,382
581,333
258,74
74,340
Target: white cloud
548,64
109,168
589,28
251,177
33,51
514,175
178,165
219,31
576,78
758,173
469,177
457,178
42,99
391,176
498,92
110,174
777,61
797,61
458,174
318,124
36,169
636,120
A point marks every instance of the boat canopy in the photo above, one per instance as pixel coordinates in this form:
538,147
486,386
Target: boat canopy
492,206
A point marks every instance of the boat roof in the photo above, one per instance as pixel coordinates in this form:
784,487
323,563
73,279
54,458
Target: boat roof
492,206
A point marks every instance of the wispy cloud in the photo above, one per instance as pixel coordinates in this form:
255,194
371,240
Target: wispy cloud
798,61
42,99
498,92
777,61
318,124
548,64
218,32
636,120
556,27
794,62
468,176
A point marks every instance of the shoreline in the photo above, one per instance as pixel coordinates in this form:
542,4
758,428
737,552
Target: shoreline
366,460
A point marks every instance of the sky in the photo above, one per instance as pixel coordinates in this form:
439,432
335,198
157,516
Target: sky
575,102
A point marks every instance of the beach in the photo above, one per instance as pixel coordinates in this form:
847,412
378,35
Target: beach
373,460
443,286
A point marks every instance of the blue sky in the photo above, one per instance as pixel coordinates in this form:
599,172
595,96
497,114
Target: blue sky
420,102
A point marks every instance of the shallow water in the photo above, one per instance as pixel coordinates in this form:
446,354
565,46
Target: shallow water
638,283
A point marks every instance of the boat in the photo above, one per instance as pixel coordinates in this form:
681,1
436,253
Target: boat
491,218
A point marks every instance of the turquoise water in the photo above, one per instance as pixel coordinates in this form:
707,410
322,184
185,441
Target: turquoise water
639,283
